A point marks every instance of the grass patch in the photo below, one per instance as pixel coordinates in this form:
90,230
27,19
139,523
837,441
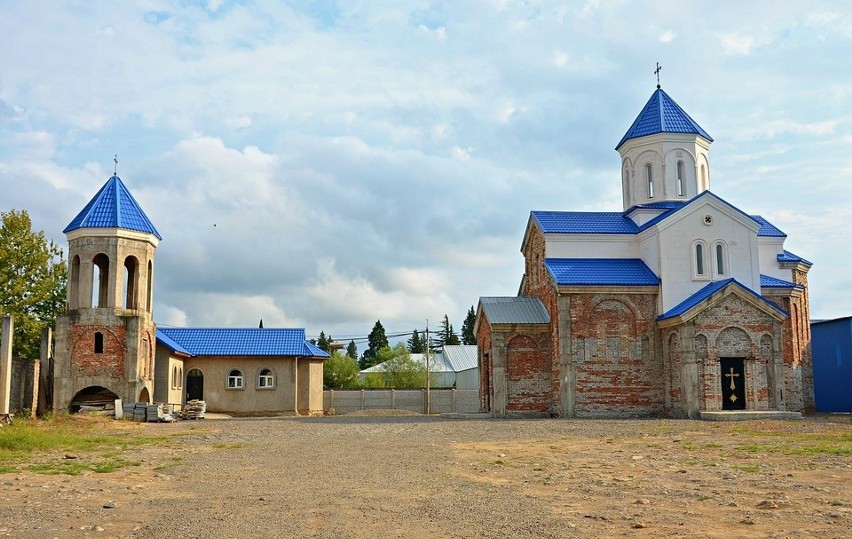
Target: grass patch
804,444
98,443
750,468
232,445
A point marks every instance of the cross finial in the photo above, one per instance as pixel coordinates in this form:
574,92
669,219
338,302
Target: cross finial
115,170
657,73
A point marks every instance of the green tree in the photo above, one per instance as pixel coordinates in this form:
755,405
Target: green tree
323,342
398,370
416,344
33,280
446,335
376,340
340,371
352,350
467,334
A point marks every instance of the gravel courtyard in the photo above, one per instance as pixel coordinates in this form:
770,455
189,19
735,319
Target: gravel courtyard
417,476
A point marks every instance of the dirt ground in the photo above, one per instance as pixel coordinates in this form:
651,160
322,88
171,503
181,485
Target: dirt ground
416,476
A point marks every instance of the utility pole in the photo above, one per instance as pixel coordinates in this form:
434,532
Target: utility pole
428,403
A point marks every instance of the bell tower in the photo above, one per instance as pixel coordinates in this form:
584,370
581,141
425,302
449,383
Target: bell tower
105,341
664,155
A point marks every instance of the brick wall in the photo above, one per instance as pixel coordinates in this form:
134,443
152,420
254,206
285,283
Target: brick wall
528,373
87,362
614,353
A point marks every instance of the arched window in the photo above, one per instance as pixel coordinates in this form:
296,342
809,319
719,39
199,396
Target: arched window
679,178
74,285
180,378
235,379
265,380
100,280
721,259
703,178
699,260
99,342
174,377
150,285
131,277
649,176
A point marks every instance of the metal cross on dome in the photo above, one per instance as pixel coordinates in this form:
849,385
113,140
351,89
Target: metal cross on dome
657,73
115,169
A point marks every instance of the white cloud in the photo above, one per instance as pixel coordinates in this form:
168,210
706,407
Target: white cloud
461,154
238,122
318,170
736,44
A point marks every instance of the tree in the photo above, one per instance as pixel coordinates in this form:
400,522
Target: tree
352,350
398,370
467,334
416,345
376,340
340,371
33,280
446,335
323,342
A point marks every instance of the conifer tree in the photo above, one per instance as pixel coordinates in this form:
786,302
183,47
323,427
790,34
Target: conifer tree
416,344
352,350
376,340
467,334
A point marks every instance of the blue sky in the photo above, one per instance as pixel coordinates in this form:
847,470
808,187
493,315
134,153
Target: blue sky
326,164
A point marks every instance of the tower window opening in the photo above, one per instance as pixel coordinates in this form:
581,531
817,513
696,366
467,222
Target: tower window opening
100,280
131,276
679,187
99,342
649,175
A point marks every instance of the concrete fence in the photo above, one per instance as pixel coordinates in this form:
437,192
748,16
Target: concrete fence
442,401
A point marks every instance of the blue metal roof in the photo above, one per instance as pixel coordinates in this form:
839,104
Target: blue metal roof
514,310
709,290
170,343
601,272
113,207
584,222
662,115
767,229
772,282
240,342
574,222
787,256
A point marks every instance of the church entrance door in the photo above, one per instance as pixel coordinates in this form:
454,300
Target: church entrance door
733,383
194,385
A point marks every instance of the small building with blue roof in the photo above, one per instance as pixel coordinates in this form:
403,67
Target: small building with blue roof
679,304
108,346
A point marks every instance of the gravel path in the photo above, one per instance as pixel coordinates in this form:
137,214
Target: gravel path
416,476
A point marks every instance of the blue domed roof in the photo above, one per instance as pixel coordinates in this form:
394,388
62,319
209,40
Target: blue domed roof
662,115
113,207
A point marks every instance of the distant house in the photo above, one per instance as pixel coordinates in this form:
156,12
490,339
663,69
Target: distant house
240,370
832,357
455,366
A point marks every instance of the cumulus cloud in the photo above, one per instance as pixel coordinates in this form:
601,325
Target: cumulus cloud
736,44
315,166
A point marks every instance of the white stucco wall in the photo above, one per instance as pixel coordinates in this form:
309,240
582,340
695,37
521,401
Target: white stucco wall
591,246
677,237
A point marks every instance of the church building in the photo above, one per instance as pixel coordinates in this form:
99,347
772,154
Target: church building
108,346
679,305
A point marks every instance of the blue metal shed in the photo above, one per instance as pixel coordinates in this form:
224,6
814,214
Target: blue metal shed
832,361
